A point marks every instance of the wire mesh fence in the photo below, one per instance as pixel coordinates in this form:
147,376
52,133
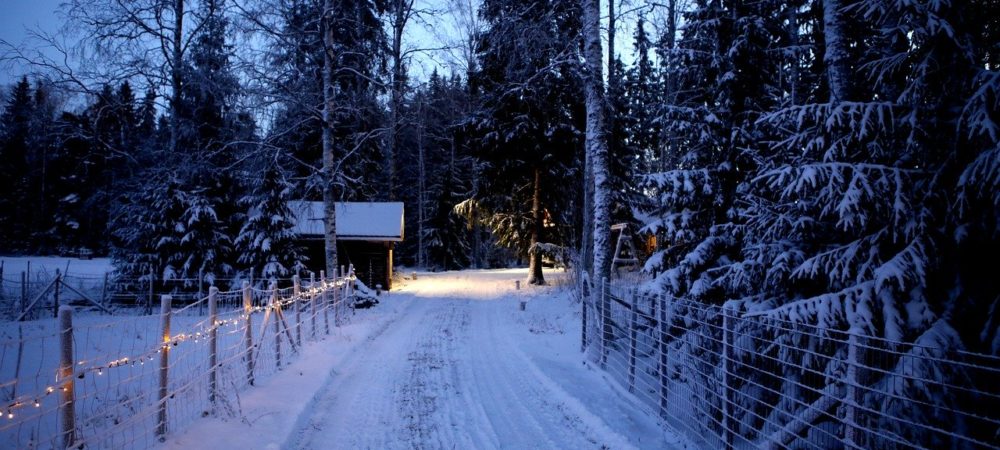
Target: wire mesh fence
727,378
125,382
31,295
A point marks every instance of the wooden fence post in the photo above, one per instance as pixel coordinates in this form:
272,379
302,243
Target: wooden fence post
149,300
161,417
728,419
201,291
55,294
633,325
326,300
248,332
24,294
312,302
213,345
297,303
277,323
67,413
104,290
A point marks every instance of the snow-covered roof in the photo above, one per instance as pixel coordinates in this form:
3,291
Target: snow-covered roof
356,221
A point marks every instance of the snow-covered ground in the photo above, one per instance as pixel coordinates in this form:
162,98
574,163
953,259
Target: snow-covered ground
446,361
74,267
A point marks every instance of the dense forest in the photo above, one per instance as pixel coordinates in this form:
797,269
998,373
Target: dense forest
834,162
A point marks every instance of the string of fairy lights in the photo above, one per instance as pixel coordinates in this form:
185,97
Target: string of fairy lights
82,369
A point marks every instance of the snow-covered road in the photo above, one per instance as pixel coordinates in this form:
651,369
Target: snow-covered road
450,373
444,362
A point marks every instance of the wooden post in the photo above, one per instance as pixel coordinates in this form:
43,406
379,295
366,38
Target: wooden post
161,417
312,302
149,300
104,290
633,325
24,293
297,295
248,332
340,295
338,300
55,294
326,300
728,421
67,413
201,292
852,429
277,323
213,345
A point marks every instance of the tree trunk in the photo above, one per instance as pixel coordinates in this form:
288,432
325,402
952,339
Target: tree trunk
612,23
401,15
421,188
176,74
535,258
329,161
836,55
793,41
587,240
597,143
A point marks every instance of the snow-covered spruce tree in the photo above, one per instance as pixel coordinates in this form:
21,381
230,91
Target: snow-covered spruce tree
850,218
527,125
714,114
642,93
720,71
15,134
216,132
143,228
266,242
435,175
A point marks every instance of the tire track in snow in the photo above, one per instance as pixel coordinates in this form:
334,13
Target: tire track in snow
529,410
354,402
446,374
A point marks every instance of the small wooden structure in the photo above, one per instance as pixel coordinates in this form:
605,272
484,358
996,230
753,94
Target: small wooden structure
366,235
625,254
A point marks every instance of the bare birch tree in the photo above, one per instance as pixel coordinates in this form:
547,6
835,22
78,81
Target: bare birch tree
329,149
596,140
144,38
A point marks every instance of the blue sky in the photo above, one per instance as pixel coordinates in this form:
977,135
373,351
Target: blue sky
19,15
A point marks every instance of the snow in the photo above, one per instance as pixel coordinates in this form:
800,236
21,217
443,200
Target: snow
97,267
445,361
355,220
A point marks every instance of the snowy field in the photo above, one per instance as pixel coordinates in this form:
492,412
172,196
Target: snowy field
14,265
117,365
445,361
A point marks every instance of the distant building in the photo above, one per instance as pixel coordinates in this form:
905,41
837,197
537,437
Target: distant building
366,235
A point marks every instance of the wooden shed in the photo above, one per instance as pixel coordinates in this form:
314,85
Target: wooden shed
366,235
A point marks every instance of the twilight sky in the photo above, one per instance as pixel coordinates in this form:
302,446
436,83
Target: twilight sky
437,26
19,15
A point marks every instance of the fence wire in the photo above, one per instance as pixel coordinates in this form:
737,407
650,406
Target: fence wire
132,381
723,378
